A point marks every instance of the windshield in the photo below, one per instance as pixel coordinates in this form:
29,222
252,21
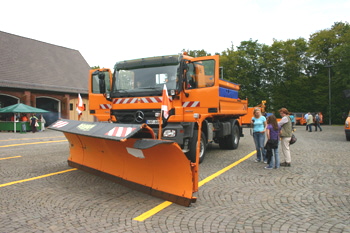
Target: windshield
135,81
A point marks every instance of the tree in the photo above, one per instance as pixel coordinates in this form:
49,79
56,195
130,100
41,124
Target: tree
197,53
332,47
285,72
292,73
245,66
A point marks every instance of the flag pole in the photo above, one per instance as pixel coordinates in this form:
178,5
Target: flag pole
160,125
80,107
164,109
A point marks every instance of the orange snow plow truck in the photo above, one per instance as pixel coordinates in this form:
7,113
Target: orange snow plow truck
142,149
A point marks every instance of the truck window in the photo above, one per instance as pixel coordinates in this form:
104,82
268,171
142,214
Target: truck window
100,82
201,74
126,80
147,78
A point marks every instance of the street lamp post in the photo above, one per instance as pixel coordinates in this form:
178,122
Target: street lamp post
329,92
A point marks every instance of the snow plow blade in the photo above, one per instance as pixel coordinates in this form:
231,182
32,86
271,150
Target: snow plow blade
130,155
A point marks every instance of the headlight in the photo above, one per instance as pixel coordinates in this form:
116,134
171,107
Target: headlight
346,124
169,133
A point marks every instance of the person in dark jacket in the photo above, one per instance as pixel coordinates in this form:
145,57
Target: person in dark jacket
33,121
272,134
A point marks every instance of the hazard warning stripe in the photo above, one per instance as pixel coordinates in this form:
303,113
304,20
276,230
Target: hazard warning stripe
60,124
105,106
143,100
191,104
125,101
151,100
120,131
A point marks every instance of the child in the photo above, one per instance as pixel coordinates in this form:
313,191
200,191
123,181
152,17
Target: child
272,133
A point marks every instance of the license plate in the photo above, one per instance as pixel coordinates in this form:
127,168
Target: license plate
152,122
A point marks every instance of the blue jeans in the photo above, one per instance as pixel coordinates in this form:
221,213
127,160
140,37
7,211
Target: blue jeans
275,159
310,127
259,140
317,124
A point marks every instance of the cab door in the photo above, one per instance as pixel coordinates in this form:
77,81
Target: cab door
201,87
100,104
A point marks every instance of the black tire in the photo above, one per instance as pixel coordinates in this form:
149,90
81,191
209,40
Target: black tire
191,155
231,141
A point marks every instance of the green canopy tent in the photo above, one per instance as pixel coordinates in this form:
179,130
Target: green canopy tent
20,108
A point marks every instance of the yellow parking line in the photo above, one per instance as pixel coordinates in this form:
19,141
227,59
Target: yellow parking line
165,204
37,177
153,211
11,157
31,143
218,173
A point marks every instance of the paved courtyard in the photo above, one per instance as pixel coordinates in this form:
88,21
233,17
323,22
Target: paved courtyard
313,195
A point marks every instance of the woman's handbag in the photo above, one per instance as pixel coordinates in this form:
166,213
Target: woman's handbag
36,124
271,144
293,139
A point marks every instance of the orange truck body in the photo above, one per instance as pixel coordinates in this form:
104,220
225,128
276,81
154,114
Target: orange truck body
142,149
246,119
213,98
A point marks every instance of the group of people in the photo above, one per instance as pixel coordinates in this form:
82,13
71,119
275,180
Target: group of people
33,121
275,132
313,120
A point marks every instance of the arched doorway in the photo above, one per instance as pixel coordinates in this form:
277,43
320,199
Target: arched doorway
52,105
7,100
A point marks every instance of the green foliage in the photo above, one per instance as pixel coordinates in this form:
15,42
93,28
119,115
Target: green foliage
95,67
293,73
197,53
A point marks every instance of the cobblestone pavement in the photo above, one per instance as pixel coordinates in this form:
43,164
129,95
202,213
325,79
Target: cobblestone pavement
311,196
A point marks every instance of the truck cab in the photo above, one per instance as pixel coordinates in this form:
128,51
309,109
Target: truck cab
99,89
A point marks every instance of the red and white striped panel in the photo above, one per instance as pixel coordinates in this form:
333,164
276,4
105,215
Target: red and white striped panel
143,100
146,100
120,131
60,124
191,104
105,106
125,101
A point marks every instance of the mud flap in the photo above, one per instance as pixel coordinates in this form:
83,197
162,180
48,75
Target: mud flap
130,155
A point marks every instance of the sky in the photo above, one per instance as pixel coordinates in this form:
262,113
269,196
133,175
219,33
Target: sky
108,31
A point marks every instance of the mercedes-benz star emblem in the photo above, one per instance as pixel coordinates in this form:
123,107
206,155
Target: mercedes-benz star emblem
139,116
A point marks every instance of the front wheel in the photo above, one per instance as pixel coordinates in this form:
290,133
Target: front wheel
191,155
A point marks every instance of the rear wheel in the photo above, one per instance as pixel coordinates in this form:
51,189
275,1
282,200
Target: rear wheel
231,141
191,155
